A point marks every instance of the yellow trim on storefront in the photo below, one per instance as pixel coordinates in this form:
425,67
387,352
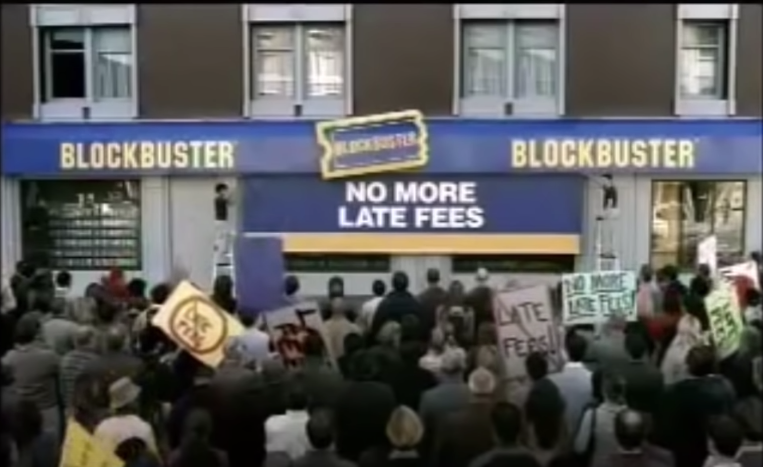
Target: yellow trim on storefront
431,244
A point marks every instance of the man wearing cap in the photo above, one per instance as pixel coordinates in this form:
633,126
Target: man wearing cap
124,423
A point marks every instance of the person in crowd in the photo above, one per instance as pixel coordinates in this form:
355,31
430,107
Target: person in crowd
726,438
286,435
196,449
688,335
63,287
412,381
536,367
321,435
134,453
644,382
35,371
116,361
200,396
123,422
253,343
404,433
35,447
607,350
116,284
136,293
574,381
480,298
633,450
702,283
353,343
222,294
648,296
322,382
506,420
75,362
335,287
368,309
463,435
386,352
397,304
546,419
690,404
363,408
432,299
753,313
337,327
749,416
595,436
457,316
432,359
451,395
58,329
291,289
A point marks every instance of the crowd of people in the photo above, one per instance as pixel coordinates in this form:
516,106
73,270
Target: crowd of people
405,380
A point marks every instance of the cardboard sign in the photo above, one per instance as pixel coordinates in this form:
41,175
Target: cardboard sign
195,323
726,325
289,326
707,253
525,324
594,297
747,269
80,449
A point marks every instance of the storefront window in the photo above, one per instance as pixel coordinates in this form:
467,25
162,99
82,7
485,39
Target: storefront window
530,264
306,262
686,212
83,224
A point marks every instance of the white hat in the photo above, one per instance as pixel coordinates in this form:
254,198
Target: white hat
481,382
123,392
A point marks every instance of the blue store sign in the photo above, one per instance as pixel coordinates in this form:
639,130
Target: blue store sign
355,146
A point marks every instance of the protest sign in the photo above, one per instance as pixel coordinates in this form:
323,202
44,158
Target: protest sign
525,324
196,324
594,297
80,449
747,269
707,253
725,319
290,325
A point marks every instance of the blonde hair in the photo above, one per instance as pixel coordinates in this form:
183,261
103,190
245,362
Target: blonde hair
404,428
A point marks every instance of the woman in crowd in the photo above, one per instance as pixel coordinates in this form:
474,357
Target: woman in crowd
195,448
34,446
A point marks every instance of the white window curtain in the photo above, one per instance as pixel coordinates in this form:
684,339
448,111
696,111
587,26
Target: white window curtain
484,60
536,60
274,60
702,60
112,63
324,61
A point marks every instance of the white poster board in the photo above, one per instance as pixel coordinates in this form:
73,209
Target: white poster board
707,253
525,324
289,326
594,297
747,269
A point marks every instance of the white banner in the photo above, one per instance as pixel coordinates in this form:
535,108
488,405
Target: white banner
594,297
289,326
747,269
525,324
707,253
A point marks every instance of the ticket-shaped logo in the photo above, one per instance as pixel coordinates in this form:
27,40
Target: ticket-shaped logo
373,144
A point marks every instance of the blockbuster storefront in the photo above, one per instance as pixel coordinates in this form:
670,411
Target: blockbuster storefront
366,197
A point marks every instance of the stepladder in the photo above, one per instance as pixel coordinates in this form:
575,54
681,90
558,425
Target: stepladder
223,259
607,258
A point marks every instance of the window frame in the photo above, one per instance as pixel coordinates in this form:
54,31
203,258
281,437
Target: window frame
510,47
721,65
45,34
513,264
683,254
370,258
300,59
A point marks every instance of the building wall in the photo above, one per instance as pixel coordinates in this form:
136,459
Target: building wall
193,63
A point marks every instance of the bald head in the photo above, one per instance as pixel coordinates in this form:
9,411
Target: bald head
115,339
630,429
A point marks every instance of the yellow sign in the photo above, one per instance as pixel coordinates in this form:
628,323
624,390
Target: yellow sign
148,155
603,153
725,318
196,324
82,450
357,146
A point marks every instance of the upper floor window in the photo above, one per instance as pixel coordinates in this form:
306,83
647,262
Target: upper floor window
686,212
86,63
298,62
514,60
703,59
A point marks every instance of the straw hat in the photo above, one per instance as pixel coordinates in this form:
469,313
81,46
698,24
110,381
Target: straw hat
123,392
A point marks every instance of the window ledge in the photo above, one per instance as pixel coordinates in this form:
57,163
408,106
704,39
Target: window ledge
81,14
692,107
296,12
74,109
707,11
477,11
495,107
287,108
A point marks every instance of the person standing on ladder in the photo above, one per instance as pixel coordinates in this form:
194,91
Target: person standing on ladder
606,251
222,222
